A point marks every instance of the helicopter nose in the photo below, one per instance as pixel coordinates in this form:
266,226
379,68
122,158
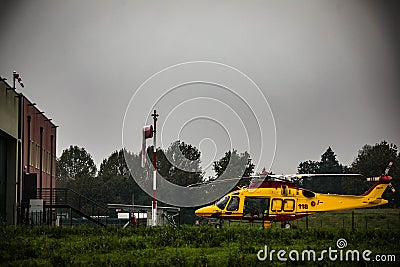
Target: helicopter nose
204,212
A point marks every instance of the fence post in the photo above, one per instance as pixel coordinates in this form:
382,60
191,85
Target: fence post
70,216
307,220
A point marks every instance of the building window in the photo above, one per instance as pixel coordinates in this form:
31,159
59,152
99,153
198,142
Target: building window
54,166
48,162
32,154
37,156
46,157
43,160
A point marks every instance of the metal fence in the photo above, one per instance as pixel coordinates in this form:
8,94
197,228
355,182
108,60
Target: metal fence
351,219
354,219
63,206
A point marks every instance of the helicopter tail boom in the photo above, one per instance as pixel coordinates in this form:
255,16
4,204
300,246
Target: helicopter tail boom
376,191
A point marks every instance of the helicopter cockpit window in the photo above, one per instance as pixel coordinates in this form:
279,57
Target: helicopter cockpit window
222,202
233,204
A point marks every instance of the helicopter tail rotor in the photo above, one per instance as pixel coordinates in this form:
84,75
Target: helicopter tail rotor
392,188
377,178
386,173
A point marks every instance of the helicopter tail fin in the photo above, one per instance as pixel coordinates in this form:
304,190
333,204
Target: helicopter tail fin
374,194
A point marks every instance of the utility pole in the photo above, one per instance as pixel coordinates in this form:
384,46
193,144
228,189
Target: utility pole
154,206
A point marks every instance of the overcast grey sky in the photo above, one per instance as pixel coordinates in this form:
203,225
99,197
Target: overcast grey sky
330,71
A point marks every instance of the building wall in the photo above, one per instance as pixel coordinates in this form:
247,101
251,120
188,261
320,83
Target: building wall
27,146
39,152
8,110
9,102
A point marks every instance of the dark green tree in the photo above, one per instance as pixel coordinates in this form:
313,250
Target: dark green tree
75,162
179,164
116,184
115,165
76,170
373,160
234,165
308,166
327,165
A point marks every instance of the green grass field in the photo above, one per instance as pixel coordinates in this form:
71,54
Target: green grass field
235,245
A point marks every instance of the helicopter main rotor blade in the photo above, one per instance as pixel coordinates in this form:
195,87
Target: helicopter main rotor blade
300,176
218,181
283,177
388,168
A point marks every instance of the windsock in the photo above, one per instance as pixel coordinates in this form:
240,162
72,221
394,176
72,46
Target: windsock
17,77
147,133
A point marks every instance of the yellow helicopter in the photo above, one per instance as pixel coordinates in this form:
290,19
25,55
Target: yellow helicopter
276,198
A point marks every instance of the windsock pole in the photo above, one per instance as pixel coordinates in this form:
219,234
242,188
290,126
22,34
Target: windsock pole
154,206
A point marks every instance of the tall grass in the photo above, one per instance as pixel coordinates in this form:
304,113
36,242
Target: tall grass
182,246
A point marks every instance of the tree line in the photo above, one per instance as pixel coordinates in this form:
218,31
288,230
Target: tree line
180,164
113,182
